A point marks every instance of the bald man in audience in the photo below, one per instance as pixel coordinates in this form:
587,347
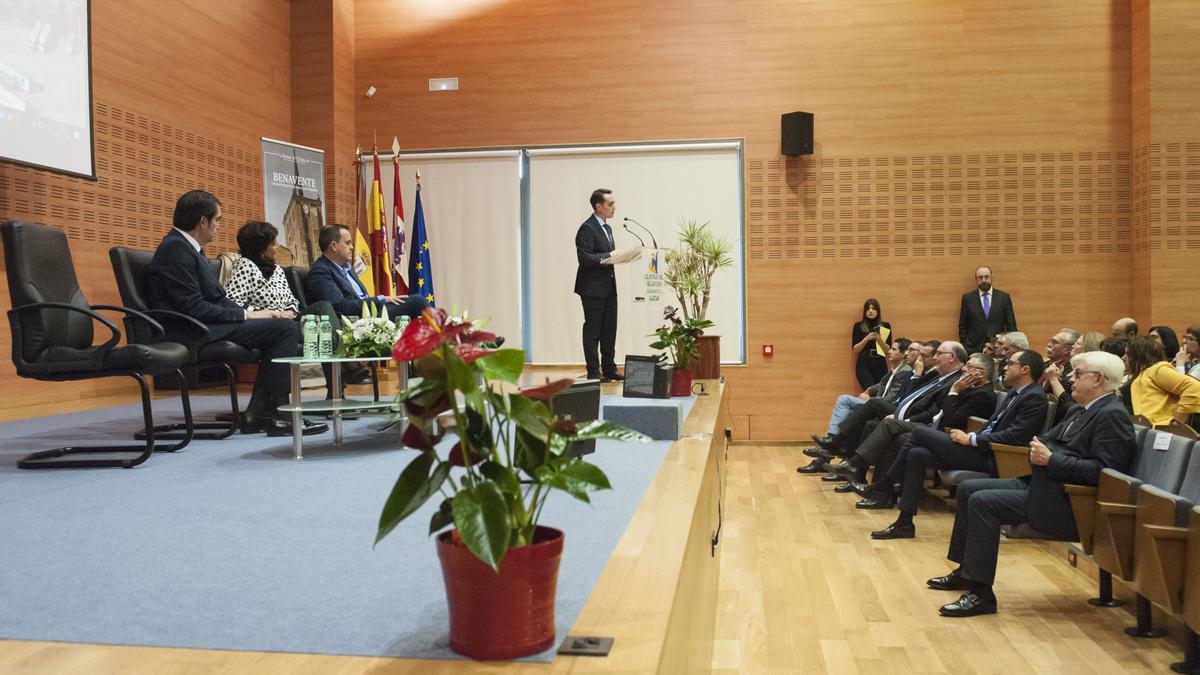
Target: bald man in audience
1057,379
1098,435
1125,327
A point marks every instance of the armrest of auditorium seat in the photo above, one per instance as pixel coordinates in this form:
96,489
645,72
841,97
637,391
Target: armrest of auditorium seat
1012,461
1191,571
975,425
1112,537
1083,507
1161,545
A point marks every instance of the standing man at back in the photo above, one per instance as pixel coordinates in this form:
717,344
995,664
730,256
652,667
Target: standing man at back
985,312
596,285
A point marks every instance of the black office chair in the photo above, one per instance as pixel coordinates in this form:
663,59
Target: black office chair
52,339
130,267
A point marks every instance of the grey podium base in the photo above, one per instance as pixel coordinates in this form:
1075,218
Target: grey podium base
659,418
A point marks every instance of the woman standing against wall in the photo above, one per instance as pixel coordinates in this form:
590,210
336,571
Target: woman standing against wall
870,364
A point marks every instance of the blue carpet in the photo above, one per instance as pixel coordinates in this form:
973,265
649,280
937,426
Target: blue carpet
234,545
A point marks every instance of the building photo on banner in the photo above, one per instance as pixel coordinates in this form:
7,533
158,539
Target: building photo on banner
501,225
294,199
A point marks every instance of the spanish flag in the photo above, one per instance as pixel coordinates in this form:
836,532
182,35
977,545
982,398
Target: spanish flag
362,255
377,231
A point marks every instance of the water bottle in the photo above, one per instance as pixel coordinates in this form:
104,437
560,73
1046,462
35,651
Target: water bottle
325,338
308,333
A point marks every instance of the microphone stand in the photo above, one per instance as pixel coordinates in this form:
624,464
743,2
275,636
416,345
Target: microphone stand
640,242
646,229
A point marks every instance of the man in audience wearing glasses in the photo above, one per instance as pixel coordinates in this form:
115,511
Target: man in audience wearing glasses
1021,416
1098,434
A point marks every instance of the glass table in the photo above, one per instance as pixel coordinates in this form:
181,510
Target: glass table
297,406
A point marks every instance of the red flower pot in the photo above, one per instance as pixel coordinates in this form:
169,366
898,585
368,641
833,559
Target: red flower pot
681,383
506,615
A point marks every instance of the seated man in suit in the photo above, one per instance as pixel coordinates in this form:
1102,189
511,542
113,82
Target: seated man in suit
900,359
1022,416
181,279
965,392
1096,436
862,420
332,278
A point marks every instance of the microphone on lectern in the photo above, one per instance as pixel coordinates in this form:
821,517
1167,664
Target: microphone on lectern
646,229
640,242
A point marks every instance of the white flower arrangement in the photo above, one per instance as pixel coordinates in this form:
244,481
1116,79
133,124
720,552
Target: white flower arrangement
369,334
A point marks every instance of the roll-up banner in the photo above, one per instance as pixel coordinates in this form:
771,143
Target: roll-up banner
294,199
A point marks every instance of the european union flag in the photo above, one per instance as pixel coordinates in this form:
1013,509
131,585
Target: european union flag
420,271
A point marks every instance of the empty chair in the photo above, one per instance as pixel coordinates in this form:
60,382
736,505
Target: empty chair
1159,545
53,334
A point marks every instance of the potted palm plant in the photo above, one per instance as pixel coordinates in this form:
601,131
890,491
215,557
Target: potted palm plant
678,337
500,566
690,267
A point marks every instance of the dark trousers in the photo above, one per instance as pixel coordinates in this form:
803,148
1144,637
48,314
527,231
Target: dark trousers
869,371
600,330
884,442
412,306
983,506
855,427
274,338
928,448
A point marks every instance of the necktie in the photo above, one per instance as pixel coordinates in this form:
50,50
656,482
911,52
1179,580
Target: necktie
903,407
608,233
1007,402
987,304
1074,417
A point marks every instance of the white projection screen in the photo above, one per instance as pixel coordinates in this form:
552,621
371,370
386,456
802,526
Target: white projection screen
655,185
46,85
472,211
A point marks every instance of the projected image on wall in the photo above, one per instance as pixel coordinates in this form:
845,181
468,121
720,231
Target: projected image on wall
45,84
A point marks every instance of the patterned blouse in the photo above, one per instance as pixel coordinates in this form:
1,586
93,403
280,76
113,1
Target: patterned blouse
248,288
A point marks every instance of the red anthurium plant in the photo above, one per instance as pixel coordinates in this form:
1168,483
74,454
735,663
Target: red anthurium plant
511,449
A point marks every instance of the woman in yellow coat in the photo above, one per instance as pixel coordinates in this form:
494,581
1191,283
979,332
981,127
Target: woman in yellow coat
1158,391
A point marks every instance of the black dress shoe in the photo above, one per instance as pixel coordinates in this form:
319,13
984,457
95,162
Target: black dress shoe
972,603
844,488
875,503
613,377
812,467
592,376
951,582
847,469
895,531
864,490
279,427
826,442
834,477
821,453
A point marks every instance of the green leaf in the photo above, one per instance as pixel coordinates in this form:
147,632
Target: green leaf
459,375
610,431
503,364
530,452
481,516
413,488
503,476
573,476
442,518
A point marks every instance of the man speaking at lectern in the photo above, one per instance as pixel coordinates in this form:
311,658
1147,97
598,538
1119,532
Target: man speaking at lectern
596,285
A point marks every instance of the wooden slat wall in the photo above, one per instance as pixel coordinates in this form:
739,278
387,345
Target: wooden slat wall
183,91
947,135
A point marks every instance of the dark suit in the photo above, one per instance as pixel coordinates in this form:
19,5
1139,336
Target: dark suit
974,328
180,279
326,281
1083,444
862,421
882,446
596,285
1016,423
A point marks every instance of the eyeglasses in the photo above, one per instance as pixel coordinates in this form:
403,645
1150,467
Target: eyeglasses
1187,338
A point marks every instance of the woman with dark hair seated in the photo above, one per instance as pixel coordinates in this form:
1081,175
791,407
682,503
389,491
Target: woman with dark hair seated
1158,392
257,282
1165,336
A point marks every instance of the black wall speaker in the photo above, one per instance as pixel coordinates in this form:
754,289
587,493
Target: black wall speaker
796,133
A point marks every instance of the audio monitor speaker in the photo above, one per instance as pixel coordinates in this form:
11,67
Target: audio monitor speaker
796,133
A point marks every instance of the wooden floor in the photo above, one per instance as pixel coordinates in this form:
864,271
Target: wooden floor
803,588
